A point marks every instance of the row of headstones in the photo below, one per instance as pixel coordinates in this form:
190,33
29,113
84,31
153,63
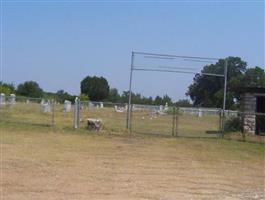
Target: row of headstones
95,105
45,105
11,99
68,106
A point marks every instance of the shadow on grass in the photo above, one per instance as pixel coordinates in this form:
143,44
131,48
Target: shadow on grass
26,123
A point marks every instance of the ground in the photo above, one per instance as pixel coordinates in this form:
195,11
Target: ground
45,164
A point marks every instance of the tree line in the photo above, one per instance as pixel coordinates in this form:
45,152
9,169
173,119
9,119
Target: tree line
205,91
92,88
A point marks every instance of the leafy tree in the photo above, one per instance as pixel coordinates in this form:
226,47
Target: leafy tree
147,100
83,97
166,99
125,96
158,100
136,98
163,100
62,96
114,95
254,77
29,89
7,88
207,91
96,88
183,103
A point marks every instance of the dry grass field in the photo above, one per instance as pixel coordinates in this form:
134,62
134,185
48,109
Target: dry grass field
40,164
44,163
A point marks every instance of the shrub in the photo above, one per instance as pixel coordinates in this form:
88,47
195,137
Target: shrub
233,124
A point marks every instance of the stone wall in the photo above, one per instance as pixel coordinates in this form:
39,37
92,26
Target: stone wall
249,106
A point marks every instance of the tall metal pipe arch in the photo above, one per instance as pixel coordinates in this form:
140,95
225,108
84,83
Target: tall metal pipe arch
129,110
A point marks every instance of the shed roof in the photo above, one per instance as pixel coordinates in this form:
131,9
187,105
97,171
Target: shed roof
259,90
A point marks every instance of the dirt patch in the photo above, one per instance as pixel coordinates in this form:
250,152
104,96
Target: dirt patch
58,166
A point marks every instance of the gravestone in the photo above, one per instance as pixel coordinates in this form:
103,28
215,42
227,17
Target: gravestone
12,99
94,124
166,107
101,105
67,106
200,112
42,102
46,107
90,105
2,99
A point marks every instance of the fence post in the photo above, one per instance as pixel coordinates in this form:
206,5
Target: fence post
77,113
177,122
222,123
53,114
131,115
174,120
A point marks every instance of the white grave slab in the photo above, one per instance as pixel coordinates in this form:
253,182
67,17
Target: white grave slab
67,106
12,99
2,98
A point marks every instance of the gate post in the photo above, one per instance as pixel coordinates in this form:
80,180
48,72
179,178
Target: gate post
177,121
174,120
53,113
77,113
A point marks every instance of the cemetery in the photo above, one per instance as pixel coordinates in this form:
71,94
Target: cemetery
43,137
86,146
132,100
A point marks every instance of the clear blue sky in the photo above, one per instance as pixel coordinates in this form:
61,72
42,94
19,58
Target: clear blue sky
58,44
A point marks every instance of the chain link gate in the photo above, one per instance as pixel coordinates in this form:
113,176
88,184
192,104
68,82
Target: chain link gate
176,121
199,122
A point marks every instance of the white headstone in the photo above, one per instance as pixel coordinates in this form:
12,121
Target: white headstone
200,112
42,102
12,99
101,105
160,108
2,98
67,106
166,107
45,105
90,105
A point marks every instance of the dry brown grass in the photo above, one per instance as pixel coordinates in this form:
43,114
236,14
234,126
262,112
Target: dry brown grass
40,164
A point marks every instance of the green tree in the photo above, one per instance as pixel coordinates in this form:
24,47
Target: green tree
7,88
29,89
254,77
62,96
183,103
158,100
114,95
96,88
166,99
207,91
83,97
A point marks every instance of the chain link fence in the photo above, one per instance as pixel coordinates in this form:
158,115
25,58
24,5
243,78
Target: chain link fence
145,119
199,122
155,120
176,121
112,115
22,110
